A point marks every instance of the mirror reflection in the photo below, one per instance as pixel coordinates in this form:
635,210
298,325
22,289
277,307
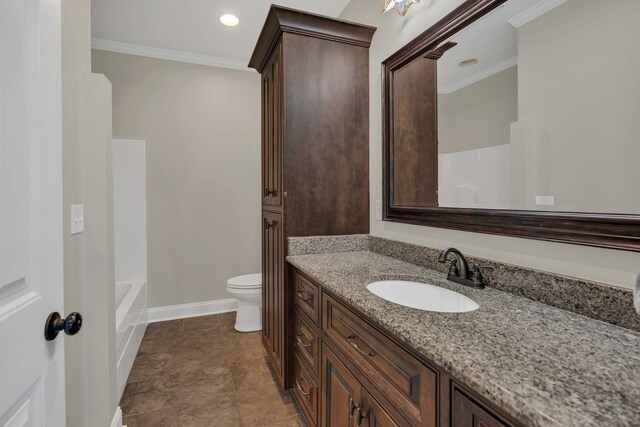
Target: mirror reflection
538,108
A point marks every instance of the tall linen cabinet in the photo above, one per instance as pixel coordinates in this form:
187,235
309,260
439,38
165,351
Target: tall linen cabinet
315,150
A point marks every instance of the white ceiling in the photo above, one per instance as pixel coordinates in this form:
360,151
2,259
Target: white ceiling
190,29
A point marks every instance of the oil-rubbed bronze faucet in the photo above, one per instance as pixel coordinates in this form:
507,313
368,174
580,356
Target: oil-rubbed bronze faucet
461,274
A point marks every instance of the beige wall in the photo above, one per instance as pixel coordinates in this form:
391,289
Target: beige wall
88,257
478,115
608,266
202,130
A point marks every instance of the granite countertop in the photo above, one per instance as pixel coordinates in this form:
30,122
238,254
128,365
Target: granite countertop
542,365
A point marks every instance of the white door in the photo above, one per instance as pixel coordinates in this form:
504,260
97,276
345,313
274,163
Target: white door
31,368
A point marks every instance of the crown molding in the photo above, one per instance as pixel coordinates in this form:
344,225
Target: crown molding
480,75
171,55
535,11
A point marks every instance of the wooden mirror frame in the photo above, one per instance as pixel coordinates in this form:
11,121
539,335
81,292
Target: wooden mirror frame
615,231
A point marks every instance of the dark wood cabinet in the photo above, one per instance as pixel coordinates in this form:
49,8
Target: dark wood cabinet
307,297
404,380
315,152
341,392
305,388
376,415
415,135
467,413
272,290
346,401
307,343
272,131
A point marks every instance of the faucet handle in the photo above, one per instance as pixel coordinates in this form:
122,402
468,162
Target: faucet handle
476,274
453,268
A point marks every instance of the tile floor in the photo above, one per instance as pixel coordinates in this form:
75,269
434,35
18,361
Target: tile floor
201,372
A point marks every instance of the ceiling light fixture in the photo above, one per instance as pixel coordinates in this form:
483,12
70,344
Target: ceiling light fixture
400,6
468,62
229,20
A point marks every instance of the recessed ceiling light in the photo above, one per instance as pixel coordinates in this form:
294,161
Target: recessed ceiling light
229,20
468,62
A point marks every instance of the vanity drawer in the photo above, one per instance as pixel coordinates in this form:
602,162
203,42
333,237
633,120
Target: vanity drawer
305,389
307,343
307,297
399,376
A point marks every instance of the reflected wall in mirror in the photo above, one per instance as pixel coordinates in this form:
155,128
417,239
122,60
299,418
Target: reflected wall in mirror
538,107
519,117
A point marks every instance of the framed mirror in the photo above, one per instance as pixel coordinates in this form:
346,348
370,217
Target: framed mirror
519,118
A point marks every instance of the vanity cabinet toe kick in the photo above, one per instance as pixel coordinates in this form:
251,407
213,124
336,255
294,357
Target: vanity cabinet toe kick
346,372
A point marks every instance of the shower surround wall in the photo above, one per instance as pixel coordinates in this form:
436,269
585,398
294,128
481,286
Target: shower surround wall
130,247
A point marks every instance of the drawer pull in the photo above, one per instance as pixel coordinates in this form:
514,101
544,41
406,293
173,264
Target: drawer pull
352,407
302,344
361,416
351,339
305,296
300,389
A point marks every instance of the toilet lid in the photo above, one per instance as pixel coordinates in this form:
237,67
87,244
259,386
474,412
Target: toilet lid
246,281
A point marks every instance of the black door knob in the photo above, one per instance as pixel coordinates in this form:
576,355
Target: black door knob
71,325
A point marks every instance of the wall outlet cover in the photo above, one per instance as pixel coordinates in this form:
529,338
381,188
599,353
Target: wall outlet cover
545,200
77,219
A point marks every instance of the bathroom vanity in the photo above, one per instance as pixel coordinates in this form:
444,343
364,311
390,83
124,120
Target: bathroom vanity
359,360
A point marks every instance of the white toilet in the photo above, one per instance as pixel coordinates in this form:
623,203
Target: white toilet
247,289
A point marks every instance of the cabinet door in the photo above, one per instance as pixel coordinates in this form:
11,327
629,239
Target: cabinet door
467,413
374,415
272,132
273,289
267,131
341,392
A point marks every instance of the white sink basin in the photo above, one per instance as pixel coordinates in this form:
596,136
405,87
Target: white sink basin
422,296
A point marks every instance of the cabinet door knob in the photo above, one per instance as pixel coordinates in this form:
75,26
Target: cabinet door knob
272,224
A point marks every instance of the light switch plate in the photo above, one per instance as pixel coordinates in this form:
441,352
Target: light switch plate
379,210
77,219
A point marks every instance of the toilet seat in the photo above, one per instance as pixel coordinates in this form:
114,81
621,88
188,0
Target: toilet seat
245,282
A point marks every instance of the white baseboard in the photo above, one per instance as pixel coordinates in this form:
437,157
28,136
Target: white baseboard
117,418
182,311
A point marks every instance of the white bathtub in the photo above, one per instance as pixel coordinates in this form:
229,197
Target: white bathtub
131,322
